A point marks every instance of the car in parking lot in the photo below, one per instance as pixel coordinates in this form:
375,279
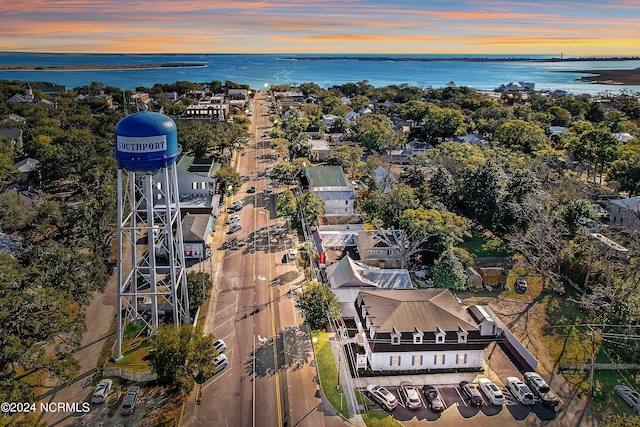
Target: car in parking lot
291,254
491,390
433,398
128,406
221,361
629,395
220,346
233,218
383,396
410,395
520,391
101,393
540,388
252,189
268,189
234,228
471,394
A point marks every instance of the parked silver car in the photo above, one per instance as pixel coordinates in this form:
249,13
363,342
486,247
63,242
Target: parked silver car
629,395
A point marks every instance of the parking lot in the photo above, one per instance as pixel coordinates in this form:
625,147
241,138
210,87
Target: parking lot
452,397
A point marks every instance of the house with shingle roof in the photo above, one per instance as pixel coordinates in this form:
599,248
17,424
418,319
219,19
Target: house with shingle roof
348,277
421,329
374,248
625,212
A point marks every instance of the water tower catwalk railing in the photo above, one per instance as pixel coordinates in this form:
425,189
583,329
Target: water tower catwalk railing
151,264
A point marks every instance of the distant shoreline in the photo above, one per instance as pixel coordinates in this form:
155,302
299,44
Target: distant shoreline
611,77
89,67
454,59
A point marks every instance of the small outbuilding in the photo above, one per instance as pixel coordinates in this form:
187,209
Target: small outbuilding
493,276
474,279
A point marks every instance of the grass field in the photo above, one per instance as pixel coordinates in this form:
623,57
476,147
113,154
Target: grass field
328,372
483,245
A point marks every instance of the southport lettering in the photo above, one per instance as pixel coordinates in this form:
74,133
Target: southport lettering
145,144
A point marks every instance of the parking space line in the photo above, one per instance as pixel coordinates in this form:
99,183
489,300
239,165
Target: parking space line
461,398
444,402
217,377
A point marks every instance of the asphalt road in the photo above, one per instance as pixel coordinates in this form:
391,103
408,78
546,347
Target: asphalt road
254,313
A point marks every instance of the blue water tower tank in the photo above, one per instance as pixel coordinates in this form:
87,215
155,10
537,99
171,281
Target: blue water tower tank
146,142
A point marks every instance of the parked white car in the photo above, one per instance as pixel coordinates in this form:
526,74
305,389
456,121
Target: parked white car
491,390
383,396
102,391
220,346
221,361
520,391
233,218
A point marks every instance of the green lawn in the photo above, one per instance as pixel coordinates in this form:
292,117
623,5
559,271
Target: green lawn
328,373
379,418
482,245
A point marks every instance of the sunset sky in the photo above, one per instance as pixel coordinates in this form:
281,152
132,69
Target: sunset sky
575,28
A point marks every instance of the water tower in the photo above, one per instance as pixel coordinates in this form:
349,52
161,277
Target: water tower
151,268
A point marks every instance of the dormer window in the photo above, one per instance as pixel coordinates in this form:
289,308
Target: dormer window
440,336
417,336
462,335
395,337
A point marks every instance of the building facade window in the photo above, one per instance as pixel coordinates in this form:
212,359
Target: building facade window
461,358
394,360
417,360
438,359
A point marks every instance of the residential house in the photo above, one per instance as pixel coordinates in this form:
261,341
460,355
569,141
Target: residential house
14,118
321,148
380,250
558,130
352,117
516,87
25,167
625,212
385,179
347,277
46,103
55,91
471,139
623,137
196,186
238,93
413,148
332,186
196,228
14,135
424,329
9,245
18,98
288,105
328,119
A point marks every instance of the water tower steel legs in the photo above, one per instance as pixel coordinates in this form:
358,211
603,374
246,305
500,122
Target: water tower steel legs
143,292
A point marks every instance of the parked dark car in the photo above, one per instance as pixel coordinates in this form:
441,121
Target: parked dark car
252,189
433,398
471,393
129,402
540,388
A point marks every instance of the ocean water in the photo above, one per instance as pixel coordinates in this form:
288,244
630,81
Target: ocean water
260,71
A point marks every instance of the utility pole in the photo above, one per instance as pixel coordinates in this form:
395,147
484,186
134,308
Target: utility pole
592,338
